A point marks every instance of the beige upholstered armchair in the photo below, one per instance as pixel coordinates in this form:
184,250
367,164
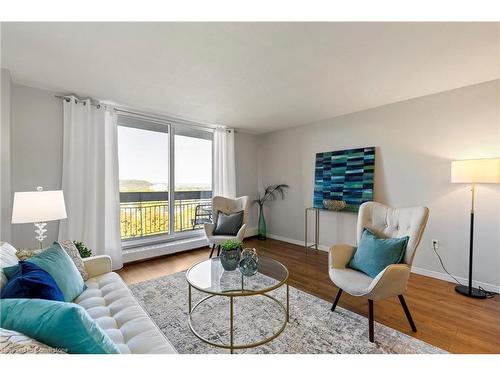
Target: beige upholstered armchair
387,222
228,206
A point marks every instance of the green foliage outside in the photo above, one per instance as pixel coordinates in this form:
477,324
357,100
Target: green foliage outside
139,219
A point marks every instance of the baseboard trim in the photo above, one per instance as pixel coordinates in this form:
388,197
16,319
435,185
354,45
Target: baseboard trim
416,270
295,242
446,277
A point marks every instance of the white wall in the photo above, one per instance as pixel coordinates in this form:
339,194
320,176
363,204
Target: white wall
415,141
36,136
246,146
5,157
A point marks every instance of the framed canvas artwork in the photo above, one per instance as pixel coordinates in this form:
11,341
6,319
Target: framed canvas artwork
345,175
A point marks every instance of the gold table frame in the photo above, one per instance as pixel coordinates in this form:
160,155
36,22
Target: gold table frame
232,294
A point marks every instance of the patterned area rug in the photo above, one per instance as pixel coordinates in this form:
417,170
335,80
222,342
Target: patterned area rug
313,328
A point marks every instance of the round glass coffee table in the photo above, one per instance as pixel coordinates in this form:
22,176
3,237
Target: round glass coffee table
210,278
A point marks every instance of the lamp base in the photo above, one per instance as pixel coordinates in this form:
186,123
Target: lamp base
473,292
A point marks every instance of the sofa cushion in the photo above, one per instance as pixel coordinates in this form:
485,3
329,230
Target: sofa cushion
59,265
8,258
30,281
58,324
110,302
74,254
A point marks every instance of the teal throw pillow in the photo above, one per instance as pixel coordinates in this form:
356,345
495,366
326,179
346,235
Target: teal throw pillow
59,265
61,325
374,254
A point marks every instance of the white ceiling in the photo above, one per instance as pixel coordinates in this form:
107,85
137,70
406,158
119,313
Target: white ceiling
254,76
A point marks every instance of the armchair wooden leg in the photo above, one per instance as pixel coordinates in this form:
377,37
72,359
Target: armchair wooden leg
407,313
339,293
370,320
218,250
212,252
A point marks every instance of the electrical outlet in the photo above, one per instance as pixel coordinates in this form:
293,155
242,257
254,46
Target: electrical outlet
435,243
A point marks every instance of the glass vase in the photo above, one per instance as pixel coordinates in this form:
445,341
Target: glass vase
262,230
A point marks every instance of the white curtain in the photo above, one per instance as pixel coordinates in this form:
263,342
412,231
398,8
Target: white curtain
90,178
224,165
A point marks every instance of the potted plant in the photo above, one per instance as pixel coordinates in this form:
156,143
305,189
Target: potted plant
230,254
84,251
271,193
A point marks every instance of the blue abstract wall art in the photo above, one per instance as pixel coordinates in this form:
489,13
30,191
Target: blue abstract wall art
345,175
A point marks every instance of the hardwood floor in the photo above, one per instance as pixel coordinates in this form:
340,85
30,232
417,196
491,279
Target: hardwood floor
443,317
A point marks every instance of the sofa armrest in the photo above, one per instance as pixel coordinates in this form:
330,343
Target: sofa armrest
97,265
340,256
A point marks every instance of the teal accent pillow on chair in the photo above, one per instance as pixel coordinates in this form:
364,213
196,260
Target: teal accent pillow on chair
61,325
59,265
374,254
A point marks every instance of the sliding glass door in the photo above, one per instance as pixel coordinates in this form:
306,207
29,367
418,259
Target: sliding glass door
193,178
165,179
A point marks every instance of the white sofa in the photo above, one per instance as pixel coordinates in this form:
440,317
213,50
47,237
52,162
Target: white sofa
110,302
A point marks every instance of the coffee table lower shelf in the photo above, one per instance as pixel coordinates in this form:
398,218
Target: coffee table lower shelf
231,346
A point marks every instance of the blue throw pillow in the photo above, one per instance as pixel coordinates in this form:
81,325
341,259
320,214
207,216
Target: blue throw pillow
374,254
30,281
59,265
61,325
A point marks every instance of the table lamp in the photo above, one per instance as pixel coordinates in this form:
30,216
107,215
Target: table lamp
38,207
478,171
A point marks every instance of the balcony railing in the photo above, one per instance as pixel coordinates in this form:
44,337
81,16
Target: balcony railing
144,214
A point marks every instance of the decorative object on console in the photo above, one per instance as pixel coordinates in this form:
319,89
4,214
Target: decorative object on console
38,207
345,175
249,262
333,205
476,171
271,193
230,254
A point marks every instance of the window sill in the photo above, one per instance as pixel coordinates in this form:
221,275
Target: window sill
154,250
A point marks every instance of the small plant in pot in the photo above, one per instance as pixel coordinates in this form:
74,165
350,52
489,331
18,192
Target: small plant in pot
230,254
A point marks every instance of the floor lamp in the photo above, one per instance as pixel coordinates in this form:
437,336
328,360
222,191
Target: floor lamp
478,171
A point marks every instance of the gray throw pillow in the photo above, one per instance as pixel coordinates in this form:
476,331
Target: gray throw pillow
228,225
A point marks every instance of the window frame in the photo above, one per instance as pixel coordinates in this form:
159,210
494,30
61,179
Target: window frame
171,126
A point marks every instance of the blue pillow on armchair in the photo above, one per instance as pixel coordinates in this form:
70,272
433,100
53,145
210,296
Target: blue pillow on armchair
374,254
30,281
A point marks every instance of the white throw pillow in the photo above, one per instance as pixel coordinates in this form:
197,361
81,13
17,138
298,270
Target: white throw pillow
7,258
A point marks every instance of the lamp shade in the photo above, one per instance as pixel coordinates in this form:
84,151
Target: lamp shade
476,171
38,206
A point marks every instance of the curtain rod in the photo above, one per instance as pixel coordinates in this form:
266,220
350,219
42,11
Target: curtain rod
145,114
